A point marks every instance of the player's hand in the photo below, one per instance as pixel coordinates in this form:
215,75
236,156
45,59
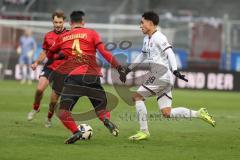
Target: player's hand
179,75
34,66
123,73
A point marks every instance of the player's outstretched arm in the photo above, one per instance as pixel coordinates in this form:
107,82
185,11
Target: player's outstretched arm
138,60
123,71
39,60
109,57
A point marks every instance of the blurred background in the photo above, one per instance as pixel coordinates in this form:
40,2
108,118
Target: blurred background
205,34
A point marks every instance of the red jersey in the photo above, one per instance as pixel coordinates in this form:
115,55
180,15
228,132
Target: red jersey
79,47
49,41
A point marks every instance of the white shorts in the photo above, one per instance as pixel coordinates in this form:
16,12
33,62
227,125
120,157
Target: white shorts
157,86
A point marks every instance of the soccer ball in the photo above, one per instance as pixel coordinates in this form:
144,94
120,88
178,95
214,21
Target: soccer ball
86,130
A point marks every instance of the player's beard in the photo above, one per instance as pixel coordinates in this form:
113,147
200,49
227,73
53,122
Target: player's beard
58,29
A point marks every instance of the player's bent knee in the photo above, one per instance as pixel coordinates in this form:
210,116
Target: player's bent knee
52,105
137,97
66,104
166,112
99,104
54,100
42,85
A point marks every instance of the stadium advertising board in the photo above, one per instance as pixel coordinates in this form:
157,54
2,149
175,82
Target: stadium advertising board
220,81
208,80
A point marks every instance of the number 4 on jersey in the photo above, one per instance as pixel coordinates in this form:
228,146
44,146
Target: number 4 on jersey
76,48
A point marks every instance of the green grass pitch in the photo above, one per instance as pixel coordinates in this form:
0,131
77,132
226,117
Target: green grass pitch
170,139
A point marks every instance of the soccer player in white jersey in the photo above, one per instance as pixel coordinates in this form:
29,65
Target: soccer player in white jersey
158,53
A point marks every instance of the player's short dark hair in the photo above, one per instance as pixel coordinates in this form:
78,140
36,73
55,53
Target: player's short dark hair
59,14
77,16
151,16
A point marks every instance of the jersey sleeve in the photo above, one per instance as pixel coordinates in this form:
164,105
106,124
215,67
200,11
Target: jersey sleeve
163,42
171,59
107,55
167,48
101,48
96,39
55,48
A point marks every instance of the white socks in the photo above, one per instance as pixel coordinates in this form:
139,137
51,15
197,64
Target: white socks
142,115
181,112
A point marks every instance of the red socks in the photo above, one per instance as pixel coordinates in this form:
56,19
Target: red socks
68,121
36,107
104,115
50,114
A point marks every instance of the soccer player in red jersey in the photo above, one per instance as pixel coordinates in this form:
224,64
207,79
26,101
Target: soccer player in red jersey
79,47
58,18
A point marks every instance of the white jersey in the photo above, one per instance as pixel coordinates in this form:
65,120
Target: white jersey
154,54
154,47
161,59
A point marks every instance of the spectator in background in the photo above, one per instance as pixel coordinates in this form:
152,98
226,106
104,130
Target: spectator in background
26,49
